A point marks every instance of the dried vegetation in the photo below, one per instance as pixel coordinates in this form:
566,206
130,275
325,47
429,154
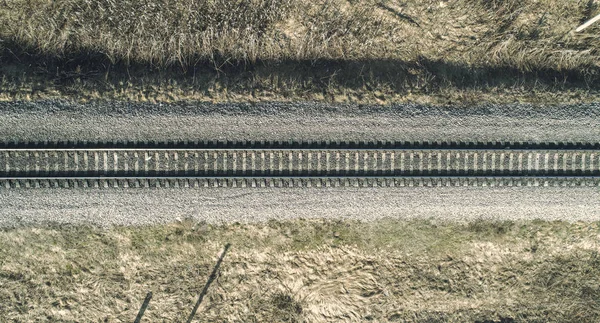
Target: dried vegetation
305,271
340,50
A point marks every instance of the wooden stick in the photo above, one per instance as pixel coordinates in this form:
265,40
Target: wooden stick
212,277
588,23
143,309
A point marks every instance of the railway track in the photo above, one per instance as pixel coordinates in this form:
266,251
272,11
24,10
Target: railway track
297,164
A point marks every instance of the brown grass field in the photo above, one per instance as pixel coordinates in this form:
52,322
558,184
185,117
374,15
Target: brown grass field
379,51
305,271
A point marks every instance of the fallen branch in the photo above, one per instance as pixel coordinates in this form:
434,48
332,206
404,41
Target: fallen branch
143,308
588,23
212,277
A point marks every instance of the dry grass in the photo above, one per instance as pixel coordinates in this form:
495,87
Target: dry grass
332,50
306,271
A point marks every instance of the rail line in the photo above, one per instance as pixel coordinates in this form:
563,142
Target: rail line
291,144
281,162
347,164
232,182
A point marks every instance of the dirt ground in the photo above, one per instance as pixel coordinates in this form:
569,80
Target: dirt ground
305,271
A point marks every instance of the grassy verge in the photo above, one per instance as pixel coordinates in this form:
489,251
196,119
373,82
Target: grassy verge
371,51
305,271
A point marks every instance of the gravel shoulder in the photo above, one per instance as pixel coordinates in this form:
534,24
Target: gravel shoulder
59,120
108,207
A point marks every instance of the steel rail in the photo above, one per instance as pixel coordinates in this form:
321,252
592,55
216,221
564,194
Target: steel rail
276,182
292,144
278,149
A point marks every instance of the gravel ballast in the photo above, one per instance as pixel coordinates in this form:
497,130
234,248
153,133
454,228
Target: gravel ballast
107,207
58,120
